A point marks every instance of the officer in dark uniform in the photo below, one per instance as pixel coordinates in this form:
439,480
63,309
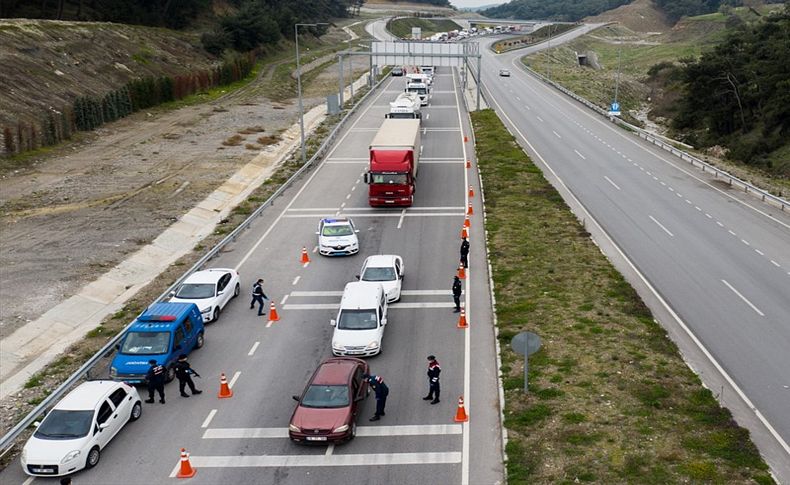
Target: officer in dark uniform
465,253
156,381
258,296
382,391
184,373
457,293
433,380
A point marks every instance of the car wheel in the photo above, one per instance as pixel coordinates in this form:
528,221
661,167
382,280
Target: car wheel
137,411
171,374
93,457
215,315
201,339
236,291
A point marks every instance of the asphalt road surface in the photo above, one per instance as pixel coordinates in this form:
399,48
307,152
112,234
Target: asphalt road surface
244,439
718,261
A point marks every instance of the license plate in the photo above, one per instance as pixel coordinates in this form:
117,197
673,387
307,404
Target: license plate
316,438
43,470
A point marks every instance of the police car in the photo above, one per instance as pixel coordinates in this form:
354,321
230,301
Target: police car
337,237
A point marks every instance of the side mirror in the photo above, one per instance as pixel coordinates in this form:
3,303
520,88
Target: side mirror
366,177
333,322
357,276
172,294
383,321
317,233
356,230
36,423
117,346
295,398
221,292
104,425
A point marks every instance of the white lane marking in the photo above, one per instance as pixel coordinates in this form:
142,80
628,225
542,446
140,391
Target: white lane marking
610,181
315,249
731,232
556,134
679,195
348,196
655,178
759,252
285,298
580,155
663,183
252,351
671,189
776,264
745,300
358,181
661,226
234,379
269,323
648,172
698,209
306,264
400,221
353,189
682,324
427,115
540,119
527,107
330,449
363,431
28,481
708,216
518,98
403,293
688,202
296,280
745,242
255,246
277,461
719,224
208,419
393,306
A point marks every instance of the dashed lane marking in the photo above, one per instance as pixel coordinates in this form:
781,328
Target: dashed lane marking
580,155
234,379
296,280
208,419
400,221
252,351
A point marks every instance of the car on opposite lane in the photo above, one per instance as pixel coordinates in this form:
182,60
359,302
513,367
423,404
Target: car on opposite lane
328,407
80,425
504,72
337,236
210,290
386,269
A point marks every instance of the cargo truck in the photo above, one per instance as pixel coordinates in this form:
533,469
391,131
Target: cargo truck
394,159
405,106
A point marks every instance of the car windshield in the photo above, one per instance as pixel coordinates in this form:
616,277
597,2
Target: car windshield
357,320
146,343
194,291
63,425
334,231
390,178
323,396
379,274
417,90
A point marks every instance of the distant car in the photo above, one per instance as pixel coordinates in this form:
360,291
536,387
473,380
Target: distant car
73,434
386,269
337,236
397,71
328,407
504,72
210,290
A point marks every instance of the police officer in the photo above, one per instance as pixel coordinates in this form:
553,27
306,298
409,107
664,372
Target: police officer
258,296
457,294
433,380
382,391
184,373
465,253
156,381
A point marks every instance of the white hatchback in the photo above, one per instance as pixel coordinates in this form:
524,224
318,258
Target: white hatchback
75,431
386,269
210,290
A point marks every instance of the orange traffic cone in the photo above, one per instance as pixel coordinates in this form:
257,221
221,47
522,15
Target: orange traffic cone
471,192
468,163
469,210
273,316
466,139
305,257
224,393
466,221
186,470
462,319
460,415
461,271
464,233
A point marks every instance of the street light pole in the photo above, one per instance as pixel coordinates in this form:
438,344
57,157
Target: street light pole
299,85
617,79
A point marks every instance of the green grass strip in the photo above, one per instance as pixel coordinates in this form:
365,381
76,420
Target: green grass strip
611,400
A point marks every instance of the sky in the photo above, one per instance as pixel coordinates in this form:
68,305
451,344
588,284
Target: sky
474,3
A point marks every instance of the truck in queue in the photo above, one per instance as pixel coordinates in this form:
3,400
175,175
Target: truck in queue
394,159
421,90
405,106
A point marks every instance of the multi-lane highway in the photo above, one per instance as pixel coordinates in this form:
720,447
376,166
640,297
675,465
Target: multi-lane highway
713,264
244,439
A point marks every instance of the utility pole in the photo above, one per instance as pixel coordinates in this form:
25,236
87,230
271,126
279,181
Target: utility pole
299,84
617,79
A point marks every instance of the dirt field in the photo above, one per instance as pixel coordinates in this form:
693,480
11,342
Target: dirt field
75,213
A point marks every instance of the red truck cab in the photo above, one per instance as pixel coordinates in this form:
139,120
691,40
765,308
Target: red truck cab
394,158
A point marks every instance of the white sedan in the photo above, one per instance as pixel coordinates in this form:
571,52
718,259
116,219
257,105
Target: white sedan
504,72
75,431
386,269
210,290
337,236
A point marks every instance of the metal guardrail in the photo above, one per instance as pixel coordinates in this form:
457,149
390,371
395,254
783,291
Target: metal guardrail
8,440
732,180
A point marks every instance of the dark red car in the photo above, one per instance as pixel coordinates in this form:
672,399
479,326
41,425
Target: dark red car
328,407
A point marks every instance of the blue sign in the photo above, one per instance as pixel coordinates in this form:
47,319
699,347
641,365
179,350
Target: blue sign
614,108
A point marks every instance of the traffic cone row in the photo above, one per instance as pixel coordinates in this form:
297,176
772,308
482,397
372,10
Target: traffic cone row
186,470
464,232
461,271
469,210
471,192
273,316
468,163
224,389
460,414
305,256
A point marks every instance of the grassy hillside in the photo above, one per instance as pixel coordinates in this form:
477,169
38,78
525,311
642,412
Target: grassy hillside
402,27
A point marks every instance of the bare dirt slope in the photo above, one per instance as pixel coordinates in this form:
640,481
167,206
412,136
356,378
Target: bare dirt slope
73,214
639,16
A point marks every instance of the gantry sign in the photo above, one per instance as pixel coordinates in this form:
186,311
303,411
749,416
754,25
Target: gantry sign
406,53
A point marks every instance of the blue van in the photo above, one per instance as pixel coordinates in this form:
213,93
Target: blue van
162,332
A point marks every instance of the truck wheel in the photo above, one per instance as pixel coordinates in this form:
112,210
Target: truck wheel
201,339
171,374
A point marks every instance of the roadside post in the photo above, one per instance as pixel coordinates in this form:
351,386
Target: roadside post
526,344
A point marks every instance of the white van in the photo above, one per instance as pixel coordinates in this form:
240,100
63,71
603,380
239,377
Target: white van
360,322
421,90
